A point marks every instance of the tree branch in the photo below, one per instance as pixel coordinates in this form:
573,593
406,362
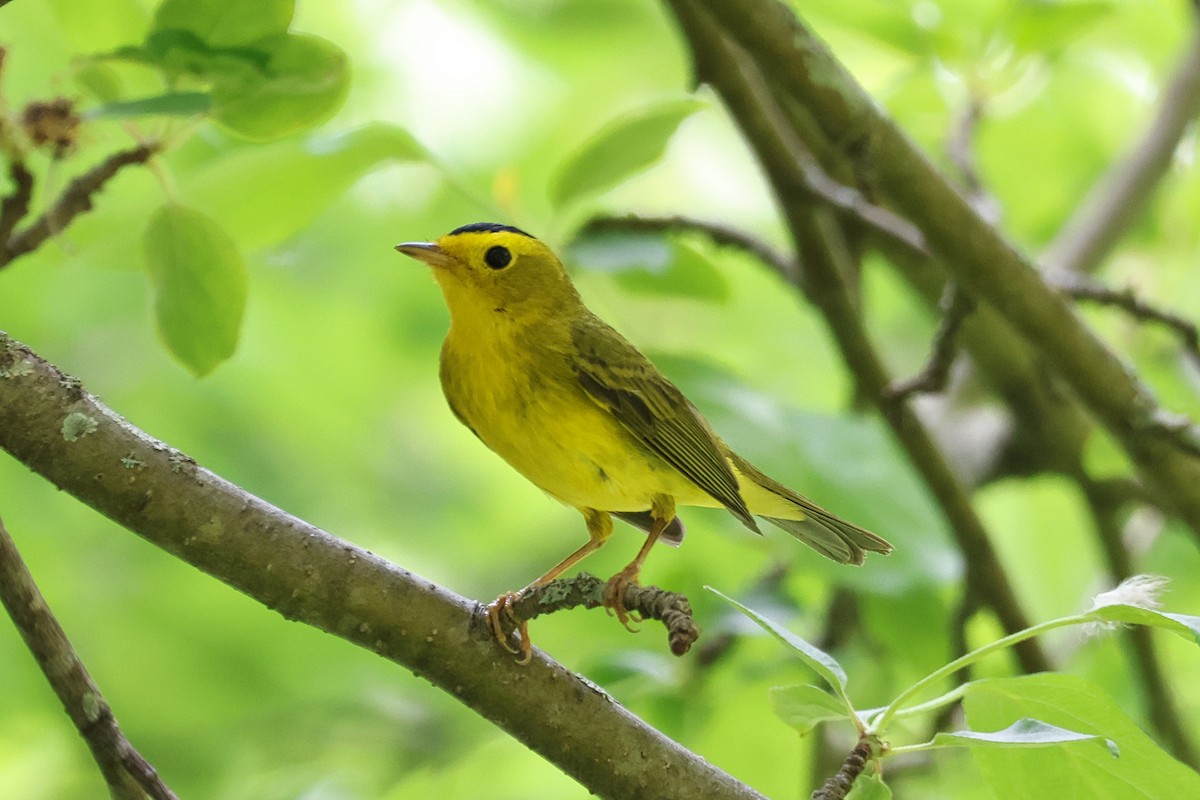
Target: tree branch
719,234
75,200
129,776
587,591
1085,288
1121,194
817,238
49,423
985,264
955,307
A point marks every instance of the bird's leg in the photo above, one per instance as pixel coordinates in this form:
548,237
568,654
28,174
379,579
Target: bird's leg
662,511
599,525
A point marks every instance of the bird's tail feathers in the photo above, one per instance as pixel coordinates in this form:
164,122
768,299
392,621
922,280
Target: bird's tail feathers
826,533
833,537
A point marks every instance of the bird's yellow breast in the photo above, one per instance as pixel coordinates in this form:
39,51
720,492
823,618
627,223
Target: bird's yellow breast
515,388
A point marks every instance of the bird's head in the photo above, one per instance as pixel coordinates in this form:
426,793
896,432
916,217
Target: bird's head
486,268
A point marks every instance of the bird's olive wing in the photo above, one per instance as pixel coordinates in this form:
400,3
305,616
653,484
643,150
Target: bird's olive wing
620,379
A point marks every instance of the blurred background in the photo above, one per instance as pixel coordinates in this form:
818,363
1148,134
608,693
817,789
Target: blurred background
331,409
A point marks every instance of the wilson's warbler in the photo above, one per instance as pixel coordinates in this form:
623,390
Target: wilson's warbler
577,410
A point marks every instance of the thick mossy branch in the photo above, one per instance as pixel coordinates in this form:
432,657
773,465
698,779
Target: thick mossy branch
823,252
649,602
58,430
975,254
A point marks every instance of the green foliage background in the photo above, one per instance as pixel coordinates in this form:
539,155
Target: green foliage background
330,408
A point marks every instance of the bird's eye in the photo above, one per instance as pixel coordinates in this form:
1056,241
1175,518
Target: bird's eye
497,257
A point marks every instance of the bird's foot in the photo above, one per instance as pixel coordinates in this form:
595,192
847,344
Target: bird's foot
614,596
504,605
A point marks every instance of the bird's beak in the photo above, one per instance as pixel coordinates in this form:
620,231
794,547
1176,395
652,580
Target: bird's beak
427,252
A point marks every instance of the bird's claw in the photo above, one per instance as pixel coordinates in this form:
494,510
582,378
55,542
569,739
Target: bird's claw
614,597
504,604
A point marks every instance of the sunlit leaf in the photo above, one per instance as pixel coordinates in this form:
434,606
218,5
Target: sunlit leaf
804,706
1180,624
869,786
302,82
1025,732
226,23
199,286
1144,770
625,146
818,660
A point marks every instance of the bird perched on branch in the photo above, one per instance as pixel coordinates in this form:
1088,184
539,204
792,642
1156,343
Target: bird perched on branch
577,410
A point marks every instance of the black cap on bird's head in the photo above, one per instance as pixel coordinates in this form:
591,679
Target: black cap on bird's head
492,265
487,227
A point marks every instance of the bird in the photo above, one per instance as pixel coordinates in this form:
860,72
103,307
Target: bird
574,407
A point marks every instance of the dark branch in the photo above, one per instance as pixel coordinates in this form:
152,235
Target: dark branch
15,206
1089,290
76,199
649,602
840,784
128,775
816,235
974,253
960,148
956,307
715,232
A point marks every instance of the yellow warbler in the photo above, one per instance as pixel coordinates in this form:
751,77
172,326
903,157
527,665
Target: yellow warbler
577,410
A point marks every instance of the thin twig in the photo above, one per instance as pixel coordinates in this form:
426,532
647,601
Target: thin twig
956,307
15,206
75,200
840,784
650,602
718,233
960,149
1089,290
129,776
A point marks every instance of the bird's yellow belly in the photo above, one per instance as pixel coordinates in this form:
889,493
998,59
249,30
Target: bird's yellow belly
564,443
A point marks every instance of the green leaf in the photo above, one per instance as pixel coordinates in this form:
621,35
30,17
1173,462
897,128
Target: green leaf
1025,732
625,146
199,286
265,193
869,786
1144,770
803,706
302,82
1180,624
180,104
818,660
225,23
